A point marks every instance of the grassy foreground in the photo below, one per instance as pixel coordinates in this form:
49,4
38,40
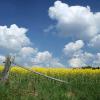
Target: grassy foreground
84,84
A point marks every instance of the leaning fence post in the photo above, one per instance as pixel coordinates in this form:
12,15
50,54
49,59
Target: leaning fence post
7,65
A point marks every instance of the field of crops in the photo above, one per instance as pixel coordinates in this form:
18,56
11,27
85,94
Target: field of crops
83,84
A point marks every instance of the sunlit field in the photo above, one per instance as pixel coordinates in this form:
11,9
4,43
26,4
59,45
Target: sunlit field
82,84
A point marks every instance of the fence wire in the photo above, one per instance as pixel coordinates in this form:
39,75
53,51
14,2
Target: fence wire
41,74
46,76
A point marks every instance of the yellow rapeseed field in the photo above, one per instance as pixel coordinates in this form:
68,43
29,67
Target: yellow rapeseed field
83,84
54,71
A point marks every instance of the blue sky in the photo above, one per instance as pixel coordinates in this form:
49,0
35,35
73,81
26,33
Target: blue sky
34,15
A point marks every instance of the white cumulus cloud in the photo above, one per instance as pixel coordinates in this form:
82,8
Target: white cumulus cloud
82,24
2,58
76,62
76,56
95,42
96,62
47,60
77,21
25,56
13,37
27,51
15,42
81,59
72,47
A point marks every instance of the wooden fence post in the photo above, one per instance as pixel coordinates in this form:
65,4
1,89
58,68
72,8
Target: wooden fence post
7,65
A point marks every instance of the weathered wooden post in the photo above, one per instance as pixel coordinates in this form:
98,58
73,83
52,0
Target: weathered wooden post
7,65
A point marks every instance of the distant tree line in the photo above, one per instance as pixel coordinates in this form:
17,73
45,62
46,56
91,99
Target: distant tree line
87,67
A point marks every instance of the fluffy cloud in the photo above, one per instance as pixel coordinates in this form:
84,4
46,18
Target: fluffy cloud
76,21
43,56
13,37
80,59
76,62
25,56
46,59
82,24
95,42
2,58
96,62
14,41
76,57
27,51
73,47
28,56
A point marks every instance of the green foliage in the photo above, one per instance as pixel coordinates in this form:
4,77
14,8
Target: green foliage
34,87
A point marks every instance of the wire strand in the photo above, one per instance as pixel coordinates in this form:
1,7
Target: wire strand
41,74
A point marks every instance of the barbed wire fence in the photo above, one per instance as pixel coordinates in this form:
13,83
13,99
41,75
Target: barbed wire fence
41,74
9,61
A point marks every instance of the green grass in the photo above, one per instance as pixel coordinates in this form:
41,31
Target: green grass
34,87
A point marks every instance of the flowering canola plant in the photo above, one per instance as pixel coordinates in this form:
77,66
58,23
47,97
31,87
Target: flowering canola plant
54,71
